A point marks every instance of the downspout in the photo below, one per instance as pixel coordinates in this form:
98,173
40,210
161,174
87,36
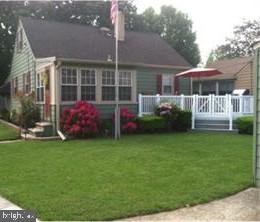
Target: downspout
57,94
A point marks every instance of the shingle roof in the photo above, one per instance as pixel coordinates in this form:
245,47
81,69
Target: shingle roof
73,41
229,67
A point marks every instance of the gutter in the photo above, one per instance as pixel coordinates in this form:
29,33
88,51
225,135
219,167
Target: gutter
124,63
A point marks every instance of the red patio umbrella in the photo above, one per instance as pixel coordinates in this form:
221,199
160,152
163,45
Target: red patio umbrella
198,73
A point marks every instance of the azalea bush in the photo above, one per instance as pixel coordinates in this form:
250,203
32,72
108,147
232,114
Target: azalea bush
127,121
176,119
81,121
167,110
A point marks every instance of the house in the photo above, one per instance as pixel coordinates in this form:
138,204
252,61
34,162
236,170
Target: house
237,74
62,63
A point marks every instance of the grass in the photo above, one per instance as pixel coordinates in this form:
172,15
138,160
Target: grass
103,179
8,133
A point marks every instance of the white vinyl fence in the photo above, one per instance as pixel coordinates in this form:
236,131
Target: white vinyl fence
202,107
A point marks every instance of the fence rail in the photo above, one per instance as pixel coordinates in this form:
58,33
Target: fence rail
210,106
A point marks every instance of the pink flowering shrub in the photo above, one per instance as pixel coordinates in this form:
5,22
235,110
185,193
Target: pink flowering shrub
168,110
128,121
81,120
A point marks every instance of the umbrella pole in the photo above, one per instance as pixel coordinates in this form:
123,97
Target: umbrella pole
191,85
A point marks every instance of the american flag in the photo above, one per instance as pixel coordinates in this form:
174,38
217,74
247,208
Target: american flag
113,11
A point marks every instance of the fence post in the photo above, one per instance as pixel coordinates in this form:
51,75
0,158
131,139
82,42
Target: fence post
213,104
210,103
158,99
193,112
182,101
241,105
227,104
230,113
140,108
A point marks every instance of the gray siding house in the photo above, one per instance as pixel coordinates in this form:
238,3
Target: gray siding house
62,63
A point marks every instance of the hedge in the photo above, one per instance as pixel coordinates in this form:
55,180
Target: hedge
183,121
151,123
245,124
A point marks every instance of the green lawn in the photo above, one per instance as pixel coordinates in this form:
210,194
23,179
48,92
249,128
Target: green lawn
102,179
7,132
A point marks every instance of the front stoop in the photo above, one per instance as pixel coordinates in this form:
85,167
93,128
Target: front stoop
42,130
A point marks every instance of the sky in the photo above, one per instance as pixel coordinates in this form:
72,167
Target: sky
213,20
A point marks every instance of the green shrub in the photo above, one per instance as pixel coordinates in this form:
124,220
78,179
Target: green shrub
14,117
29,112
152,124
106,127
183,121
5,114
245,124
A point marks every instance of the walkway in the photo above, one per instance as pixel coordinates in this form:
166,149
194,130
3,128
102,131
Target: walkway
242,206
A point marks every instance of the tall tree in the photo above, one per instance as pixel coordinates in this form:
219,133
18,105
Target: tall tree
241,45
175,27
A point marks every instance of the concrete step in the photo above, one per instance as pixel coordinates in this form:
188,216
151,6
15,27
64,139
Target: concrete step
36,131
42,129
43,124
213,124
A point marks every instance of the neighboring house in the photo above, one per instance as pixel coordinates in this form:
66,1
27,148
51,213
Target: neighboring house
237,74
63,63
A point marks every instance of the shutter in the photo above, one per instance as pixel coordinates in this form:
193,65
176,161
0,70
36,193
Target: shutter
24,82
159,84
29,82
12,87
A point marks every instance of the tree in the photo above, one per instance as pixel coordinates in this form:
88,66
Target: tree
241,45
173,26
177,31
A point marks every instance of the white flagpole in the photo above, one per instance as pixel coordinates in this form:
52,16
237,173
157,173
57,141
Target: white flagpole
117,110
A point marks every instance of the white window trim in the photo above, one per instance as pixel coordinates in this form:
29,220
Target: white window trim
98,75
69,84
38,87
172,84
107,85
80,83
131,85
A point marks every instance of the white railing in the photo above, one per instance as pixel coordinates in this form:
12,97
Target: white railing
202,107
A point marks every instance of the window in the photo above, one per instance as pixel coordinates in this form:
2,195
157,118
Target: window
27,82
19,45
125,86
108,86
226,87
39,87
167,84
88,85
69,84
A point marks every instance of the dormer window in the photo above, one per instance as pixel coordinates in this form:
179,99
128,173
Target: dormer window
19,44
